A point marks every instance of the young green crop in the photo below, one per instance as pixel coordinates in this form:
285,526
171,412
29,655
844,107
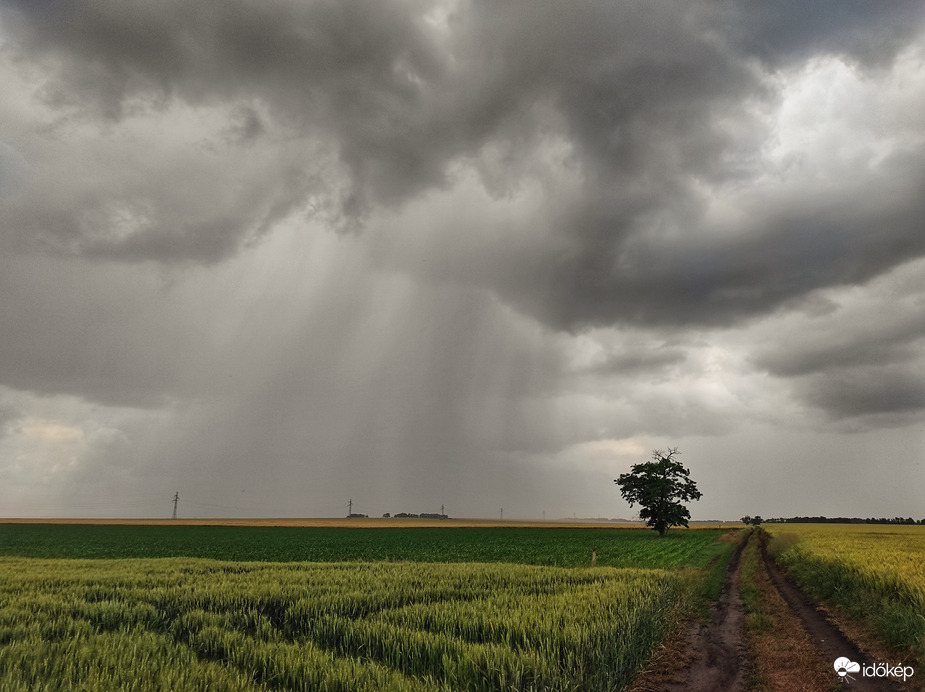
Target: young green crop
562,547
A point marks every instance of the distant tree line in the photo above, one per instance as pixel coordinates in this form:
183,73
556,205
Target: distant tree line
843,520
401,515
423,515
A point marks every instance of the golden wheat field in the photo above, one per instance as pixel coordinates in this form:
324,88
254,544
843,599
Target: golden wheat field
876,572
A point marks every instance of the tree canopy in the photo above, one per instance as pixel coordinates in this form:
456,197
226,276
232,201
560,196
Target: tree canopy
660,486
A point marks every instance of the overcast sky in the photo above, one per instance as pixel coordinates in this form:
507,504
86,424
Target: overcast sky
279,254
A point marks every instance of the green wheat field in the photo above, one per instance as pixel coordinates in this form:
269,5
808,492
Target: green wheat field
281,608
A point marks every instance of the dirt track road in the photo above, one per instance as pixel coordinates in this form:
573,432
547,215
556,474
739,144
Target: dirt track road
714,656
718,659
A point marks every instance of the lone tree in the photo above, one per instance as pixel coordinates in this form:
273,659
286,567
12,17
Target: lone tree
660,486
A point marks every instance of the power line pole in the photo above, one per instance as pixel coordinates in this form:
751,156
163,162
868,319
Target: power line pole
176,498
350,507
502,514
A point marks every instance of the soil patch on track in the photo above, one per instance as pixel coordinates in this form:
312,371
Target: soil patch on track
783,656
711,656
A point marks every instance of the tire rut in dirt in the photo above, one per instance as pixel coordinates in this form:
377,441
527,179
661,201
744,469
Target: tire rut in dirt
719,656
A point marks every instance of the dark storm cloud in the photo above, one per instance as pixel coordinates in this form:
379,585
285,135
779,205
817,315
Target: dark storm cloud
861,344
650,99
788,31
324,56
347,107
341,72
860,359
874,390
655,105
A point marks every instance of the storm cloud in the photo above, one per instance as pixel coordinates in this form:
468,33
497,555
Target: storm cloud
282,251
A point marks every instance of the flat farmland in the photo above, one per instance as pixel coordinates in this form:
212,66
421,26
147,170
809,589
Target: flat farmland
326,608
531,545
